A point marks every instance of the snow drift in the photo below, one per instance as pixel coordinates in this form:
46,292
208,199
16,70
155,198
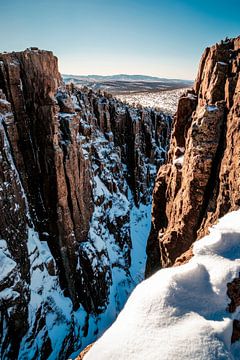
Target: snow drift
181,312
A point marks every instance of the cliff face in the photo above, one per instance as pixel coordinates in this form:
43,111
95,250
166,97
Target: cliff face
200,181
76,174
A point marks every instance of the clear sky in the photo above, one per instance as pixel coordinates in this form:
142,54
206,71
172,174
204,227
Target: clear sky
152,37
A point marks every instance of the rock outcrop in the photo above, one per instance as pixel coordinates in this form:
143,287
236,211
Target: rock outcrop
200,181
233,292
76,167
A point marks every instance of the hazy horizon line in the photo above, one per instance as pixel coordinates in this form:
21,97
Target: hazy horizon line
124,74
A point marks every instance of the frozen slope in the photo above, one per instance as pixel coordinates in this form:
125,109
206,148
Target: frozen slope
180,312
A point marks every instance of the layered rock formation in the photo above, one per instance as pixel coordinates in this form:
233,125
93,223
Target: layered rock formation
200,181
76,174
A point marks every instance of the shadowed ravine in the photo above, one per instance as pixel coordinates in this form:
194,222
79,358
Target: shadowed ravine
77,171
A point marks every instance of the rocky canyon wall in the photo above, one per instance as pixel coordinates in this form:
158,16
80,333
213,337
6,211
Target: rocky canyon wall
76,168
200,181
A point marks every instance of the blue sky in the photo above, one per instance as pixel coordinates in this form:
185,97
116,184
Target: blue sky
153,37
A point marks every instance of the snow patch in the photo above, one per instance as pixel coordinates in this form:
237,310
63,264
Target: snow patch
179,160
7,264
211,108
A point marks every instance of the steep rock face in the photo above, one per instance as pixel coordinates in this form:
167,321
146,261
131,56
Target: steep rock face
76,170
200,181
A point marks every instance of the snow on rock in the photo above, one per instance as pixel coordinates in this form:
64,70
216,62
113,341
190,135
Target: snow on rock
181,312
222,63
7,264
106,156
120,223
77,170
166,100
179,160
211,108
47,302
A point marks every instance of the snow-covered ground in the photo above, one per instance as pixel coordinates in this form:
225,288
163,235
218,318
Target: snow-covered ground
181,312
166,101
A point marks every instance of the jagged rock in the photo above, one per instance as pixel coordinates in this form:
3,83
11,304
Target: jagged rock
200,181
84,352
184,258
75,169
236,331
233,292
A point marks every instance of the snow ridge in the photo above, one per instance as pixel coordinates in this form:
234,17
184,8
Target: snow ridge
181,312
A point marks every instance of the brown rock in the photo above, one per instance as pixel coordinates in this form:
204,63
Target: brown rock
184,258
84,352
236,331
200,181
56,144
233,292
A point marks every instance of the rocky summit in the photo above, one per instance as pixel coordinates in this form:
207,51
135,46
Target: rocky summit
200,181
77,169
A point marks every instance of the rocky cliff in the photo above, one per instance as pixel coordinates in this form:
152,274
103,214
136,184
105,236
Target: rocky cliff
77,170
200,181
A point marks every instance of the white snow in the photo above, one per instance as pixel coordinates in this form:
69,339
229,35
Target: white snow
211,108
4,101
180,312
7,264
20,84
140,224
166,100
75,103
222,63
179,160
45,291
192,96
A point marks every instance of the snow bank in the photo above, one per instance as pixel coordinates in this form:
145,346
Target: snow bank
180,313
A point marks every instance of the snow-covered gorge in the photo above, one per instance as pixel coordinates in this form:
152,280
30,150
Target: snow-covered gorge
191,311
76,174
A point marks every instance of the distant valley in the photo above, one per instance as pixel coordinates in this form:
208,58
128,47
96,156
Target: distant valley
127,84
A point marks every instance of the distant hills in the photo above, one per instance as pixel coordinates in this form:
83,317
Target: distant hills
121,77
125,83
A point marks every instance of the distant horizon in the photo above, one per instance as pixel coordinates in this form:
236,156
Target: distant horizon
126,74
